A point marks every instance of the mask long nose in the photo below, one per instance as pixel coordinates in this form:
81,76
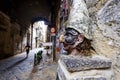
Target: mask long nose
61,38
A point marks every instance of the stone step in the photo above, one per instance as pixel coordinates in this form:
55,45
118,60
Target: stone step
63,72
77,63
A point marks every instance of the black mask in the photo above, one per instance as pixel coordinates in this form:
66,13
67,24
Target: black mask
70,36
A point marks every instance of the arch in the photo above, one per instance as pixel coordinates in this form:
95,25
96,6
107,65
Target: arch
35,19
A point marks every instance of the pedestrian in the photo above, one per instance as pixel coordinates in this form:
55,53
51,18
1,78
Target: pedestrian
27,48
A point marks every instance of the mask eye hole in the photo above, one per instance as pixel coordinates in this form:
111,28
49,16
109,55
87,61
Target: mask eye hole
70,39
70,36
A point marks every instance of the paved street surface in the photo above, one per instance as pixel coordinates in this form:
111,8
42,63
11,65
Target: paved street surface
21,68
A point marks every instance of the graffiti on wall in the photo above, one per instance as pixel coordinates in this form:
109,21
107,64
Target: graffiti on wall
65,9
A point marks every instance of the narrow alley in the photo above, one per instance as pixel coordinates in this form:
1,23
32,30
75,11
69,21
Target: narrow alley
20,67
59,39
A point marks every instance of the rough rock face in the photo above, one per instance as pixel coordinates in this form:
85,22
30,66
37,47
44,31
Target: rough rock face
94,6
105,15
109,21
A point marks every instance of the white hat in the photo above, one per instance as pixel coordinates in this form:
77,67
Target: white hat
79,19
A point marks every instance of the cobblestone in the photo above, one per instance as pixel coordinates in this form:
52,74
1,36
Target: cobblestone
19,67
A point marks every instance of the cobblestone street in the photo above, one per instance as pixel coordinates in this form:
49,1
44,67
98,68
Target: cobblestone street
21,68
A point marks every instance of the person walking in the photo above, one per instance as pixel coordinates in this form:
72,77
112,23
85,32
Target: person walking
27,48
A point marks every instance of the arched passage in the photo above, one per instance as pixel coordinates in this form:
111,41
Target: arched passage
39,26
21,14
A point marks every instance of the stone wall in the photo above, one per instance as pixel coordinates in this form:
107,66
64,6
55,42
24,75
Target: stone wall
9,36
4,34
16,38
105,15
